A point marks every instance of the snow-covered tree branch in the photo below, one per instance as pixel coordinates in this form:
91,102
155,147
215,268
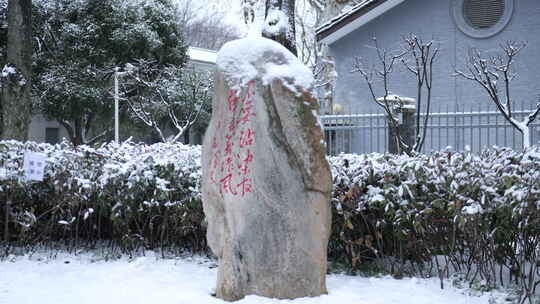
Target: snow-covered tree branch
421,56
280,23
202,27
169,100
382,72
418,57
489,72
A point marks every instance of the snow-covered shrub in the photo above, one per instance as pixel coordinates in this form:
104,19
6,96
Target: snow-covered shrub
476,212
479,215
135,195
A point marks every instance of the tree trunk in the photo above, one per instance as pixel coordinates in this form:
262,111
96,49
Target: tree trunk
17,85
526,134
78,132
282,31
186,136
1,109
74,131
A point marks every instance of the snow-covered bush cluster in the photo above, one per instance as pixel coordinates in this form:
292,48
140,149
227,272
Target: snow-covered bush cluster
479,213
10,73
465,183
134,195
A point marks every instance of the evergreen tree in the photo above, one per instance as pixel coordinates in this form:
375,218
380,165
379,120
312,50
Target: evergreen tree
79,42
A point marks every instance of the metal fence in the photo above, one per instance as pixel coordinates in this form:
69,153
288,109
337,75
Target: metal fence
455,128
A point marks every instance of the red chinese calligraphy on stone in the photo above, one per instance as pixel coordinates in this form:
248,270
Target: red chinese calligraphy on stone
227,184
246,138
232,126
246,113
245,186
228,144
229,164
246,163
213,176
233,100
214,163
233,169
215,159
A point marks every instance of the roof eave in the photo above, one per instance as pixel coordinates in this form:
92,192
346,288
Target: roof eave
356,20
200,55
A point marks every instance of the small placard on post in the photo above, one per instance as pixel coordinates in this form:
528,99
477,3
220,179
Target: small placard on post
34,166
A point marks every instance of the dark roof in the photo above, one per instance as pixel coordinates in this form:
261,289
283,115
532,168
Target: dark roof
347,17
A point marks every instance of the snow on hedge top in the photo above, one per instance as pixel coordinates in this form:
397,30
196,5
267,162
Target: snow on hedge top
8,70
246,59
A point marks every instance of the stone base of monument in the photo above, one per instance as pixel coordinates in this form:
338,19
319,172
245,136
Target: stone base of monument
266,182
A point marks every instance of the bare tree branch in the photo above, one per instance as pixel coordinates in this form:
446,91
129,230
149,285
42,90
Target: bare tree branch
173,99
423,56
486,71
386,60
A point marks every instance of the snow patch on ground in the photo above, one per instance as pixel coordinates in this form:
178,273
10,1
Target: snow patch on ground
89,279
249,58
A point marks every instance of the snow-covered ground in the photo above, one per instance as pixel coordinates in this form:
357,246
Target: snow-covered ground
84,279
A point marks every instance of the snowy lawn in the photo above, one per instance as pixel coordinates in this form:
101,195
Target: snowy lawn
83,279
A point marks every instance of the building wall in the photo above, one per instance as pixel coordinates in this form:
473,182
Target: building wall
38,128
434,20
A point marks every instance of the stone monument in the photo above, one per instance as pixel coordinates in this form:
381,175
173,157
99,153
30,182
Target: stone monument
266,182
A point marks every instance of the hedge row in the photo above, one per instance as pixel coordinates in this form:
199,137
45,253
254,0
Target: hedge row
478,215
134,196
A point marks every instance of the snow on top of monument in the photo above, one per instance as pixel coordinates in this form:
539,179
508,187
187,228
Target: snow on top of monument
249,58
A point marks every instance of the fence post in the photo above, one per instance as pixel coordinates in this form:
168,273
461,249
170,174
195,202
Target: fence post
403,109
6,223
457,130
408,127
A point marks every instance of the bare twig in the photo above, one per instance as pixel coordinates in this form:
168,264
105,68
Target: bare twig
488,72
386,62
171,98
423,55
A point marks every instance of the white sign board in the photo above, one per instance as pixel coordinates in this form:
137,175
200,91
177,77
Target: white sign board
34,166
